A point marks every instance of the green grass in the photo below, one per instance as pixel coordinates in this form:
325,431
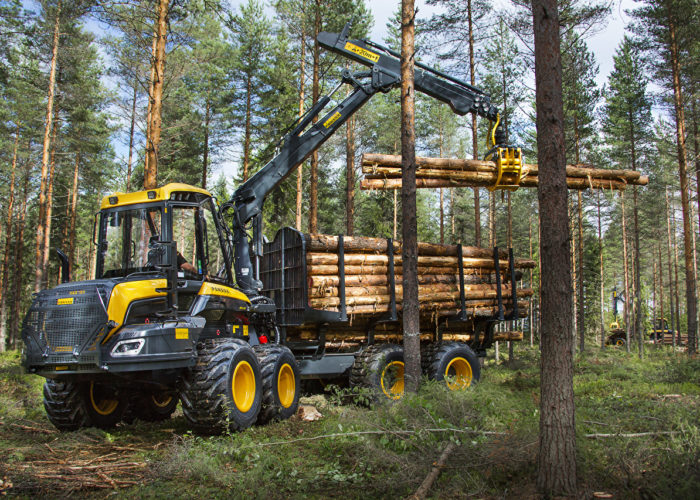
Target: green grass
615,393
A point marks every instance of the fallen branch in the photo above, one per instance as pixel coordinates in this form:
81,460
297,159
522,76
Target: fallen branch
422,491
378,432
632,435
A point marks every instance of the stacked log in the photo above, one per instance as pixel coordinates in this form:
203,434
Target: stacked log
383,172
368,288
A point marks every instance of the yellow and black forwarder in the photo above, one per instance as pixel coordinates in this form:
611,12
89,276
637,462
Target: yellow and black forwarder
190,304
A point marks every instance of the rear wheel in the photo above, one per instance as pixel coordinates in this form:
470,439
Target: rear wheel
65,405
105,404
380,368
224,388
454,363
280,382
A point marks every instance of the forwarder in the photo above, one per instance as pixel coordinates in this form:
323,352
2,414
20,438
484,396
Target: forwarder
148,331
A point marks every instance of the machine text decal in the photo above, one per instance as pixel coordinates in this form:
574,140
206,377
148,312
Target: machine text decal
362,52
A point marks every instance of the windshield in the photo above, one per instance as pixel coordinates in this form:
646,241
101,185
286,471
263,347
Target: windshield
125,235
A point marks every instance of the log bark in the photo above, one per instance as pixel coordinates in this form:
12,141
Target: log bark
423,260
469,179
424,296
326,281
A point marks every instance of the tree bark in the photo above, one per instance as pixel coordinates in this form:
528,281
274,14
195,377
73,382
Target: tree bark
637,279
73,214
411,319
625,263
556,474
8,239
602,276
532,314
300,168
581,297
690,283
246,139
671,294
158,73
661,284
205,153
132,128
475,140
15,316
675,274
46,247
313,186
48,124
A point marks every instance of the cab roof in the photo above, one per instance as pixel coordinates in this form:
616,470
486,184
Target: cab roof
150,195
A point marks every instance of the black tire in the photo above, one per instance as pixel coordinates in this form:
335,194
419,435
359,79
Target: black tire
453,362
380,368
280,382
65,405
105,404
151,406
208,399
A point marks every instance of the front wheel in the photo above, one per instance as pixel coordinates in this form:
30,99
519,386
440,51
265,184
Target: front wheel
151,406
65,405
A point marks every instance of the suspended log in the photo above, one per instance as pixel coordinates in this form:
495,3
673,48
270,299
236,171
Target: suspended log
377,164
479,179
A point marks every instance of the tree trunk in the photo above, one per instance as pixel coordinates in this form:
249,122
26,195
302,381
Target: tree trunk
158,72
625,263
637,279
690,283
675,274
574,275
151,83
581,316
653,302
475,141
300,168
350,175
15,317
8,239
532,314
602,277
246,140
48,124
442,217
313,186
661,284
671,294
132,127
411,320
556,474
73,214
205,154
46,247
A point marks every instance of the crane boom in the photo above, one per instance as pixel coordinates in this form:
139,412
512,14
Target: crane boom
298,145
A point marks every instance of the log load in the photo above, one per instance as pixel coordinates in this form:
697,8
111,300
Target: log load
383,172
368,291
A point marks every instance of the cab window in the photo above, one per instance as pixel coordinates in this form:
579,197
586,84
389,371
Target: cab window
125,240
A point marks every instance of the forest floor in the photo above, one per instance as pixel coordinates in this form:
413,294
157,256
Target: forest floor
646,415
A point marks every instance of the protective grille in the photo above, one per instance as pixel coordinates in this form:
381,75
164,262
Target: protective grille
63,319
283,273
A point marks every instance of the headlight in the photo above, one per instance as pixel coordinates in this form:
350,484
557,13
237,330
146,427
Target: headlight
130,347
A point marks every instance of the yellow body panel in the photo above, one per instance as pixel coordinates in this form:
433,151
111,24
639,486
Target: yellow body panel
182,333
222,291
125,293
367,54
161,194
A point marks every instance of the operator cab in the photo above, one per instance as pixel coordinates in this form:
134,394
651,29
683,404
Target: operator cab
133,225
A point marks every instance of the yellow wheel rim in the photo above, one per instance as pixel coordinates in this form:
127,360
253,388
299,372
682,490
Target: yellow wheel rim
458,374
286,385
620,342
161,400
102,404
392,380
243,386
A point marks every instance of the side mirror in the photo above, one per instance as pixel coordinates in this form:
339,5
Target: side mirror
65,266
